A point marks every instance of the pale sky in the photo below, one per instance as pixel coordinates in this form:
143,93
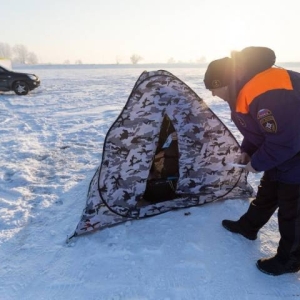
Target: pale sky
98,31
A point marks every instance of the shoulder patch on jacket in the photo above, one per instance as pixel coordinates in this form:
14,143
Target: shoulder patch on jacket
267,120
263,113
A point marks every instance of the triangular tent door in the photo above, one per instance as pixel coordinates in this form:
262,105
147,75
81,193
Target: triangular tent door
137,156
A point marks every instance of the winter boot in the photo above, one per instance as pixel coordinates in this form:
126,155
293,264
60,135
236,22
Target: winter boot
276,266
235,227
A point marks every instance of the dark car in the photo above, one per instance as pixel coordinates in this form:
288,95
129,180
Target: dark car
20,83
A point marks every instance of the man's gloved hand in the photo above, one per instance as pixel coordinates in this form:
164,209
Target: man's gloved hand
249,168
244,158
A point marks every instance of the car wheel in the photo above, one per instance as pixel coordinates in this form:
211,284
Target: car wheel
21,88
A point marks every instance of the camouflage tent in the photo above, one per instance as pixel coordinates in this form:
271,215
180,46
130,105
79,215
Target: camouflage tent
166,150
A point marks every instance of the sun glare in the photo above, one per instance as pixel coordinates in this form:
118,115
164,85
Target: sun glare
236,36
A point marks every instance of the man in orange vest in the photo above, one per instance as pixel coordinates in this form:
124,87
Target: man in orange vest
265,106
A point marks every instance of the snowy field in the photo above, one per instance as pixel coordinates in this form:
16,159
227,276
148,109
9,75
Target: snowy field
50,146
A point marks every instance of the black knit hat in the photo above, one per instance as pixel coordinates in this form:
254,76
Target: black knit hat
218,73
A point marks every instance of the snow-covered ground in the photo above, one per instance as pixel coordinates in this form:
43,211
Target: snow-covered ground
50,146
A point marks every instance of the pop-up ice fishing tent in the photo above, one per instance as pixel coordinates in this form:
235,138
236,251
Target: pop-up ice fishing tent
166,150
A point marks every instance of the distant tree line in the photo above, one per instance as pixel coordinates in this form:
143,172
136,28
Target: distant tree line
18,54
136,58
199,60
77,62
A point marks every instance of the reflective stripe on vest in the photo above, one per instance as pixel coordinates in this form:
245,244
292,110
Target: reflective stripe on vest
271,79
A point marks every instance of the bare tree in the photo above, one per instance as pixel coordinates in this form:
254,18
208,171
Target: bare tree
5,51
32,58
66,62
20,53
78,62
135,58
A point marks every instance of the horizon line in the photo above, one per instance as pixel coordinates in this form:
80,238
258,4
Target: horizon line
134,65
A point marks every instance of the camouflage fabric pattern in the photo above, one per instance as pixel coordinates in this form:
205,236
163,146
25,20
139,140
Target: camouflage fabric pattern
205,145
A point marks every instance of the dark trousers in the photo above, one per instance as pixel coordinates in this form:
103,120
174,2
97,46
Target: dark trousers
270,196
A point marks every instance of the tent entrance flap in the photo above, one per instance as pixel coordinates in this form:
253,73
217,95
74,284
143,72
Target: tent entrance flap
164,172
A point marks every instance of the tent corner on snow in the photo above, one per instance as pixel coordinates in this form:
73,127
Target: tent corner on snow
166,150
